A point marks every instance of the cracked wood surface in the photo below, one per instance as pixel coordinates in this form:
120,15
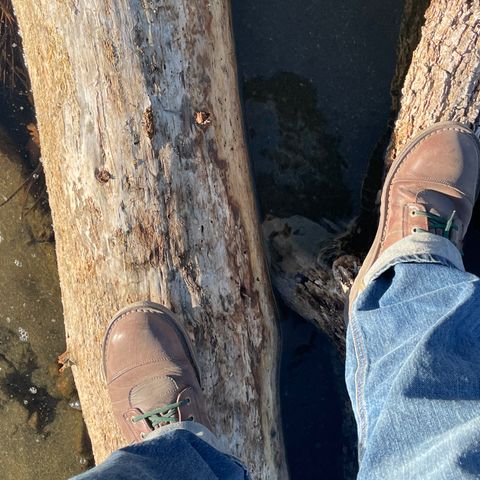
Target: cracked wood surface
443,81
151,196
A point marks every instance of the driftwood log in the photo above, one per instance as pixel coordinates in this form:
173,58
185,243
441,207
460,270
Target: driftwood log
311,265
151,195
443,81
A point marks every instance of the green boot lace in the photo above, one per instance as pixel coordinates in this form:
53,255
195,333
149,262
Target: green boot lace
166,414
436,223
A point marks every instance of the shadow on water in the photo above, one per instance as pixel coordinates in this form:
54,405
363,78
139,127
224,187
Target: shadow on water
294,157
318,425
18,362
471,258
315,79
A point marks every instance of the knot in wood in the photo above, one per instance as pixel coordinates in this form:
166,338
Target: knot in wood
203,118
148,122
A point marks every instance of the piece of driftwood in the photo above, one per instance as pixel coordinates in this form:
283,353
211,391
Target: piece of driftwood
308,283
151,195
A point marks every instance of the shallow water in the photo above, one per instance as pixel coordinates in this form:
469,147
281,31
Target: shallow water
315,81
43,436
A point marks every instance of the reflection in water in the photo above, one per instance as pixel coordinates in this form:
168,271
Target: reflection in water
296,162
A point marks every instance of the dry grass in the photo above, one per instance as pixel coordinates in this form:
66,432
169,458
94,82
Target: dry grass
13,74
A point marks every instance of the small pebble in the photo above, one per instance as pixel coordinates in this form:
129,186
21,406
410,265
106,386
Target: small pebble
75,405
33,421
65,384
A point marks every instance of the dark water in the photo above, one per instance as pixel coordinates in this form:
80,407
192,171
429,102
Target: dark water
315,76
315,81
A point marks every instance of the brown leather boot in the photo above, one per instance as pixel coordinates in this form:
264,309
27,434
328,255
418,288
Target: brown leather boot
431,187
151,372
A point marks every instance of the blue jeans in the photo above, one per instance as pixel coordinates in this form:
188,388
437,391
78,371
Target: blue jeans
412,372
177,453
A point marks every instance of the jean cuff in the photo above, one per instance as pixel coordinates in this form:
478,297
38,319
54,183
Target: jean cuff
196,428
417,248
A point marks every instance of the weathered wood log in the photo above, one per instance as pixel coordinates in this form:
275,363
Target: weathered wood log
151,196
442,83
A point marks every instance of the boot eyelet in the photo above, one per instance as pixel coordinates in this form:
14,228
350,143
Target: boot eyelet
132,418
413,213
188,400
142,435
414,230
191,418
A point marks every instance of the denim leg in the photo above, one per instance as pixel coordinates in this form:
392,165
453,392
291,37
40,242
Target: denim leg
176,455
413,373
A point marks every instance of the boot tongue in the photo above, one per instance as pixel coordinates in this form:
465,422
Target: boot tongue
436,203
442,206
154,393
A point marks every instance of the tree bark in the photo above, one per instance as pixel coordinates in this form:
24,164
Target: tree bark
443,81
312,269
150,190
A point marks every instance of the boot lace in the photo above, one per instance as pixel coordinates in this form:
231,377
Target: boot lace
166,414
437,222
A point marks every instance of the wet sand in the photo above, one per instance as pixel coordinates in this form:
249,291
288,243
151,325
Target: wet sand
41,432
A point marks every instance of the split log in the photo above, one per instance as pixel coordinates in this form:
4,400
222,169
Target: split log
442,83
151,195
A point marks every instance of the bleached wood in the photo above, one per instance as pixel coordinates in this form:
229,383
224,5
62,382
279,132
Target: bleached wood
306,282
149,204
